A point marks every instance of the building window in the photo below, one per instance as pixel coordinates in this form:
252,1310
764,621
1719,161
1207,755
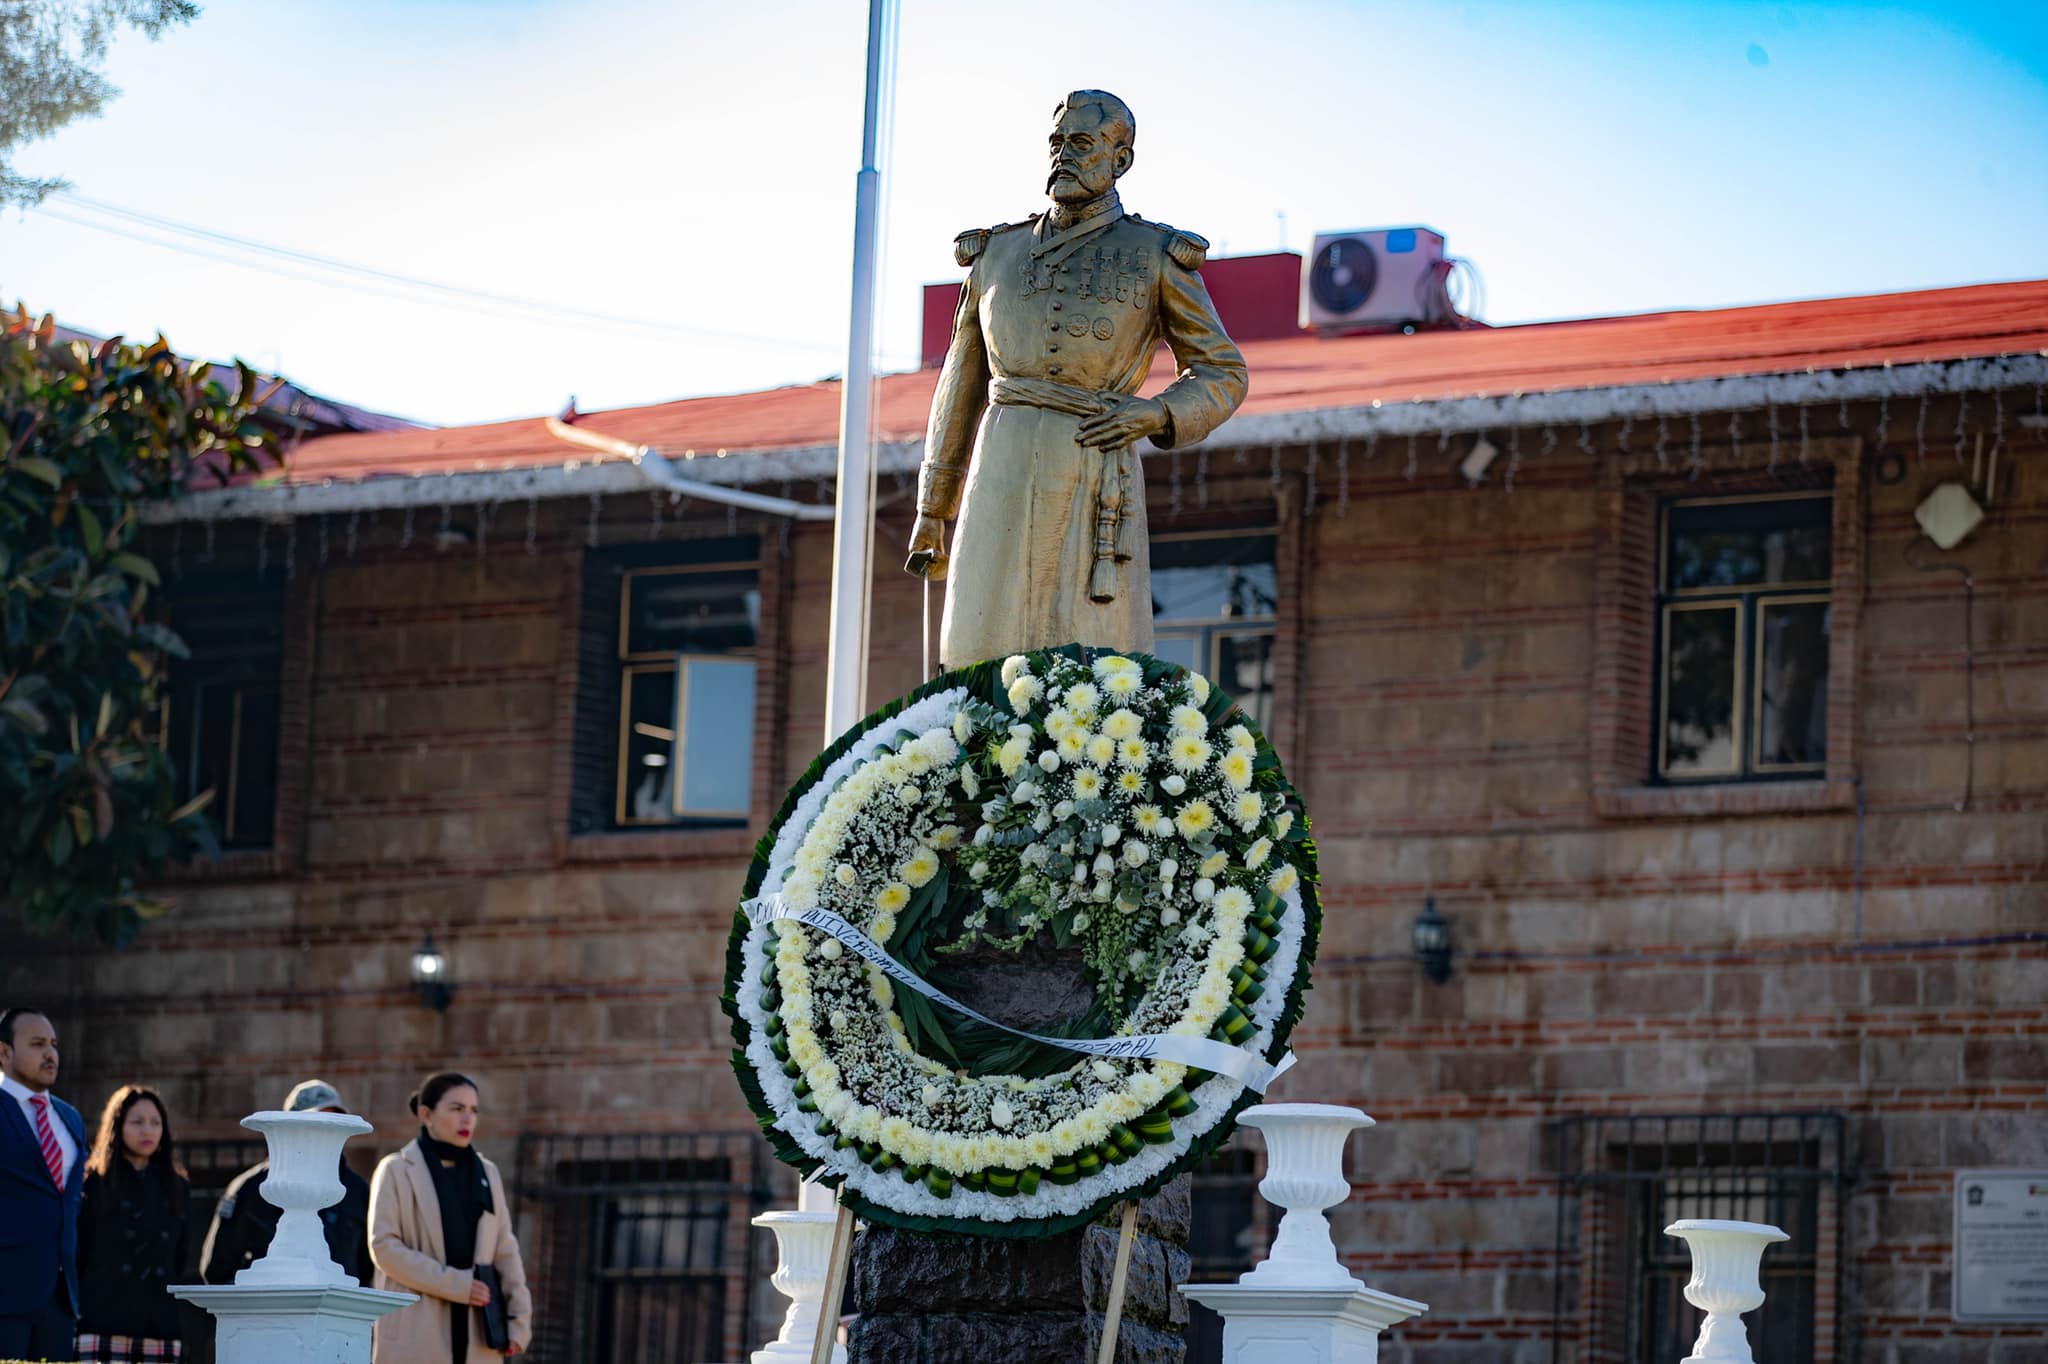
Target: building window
1743,622
1215,599
220,715
665,702
1620,1293
640,1246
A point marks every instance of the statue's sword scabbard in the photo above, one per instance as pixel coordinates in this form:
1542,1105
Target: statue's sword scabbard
1109,515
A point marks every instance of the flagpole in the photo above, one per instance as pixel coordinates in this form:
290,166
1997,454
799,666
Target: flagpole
853,535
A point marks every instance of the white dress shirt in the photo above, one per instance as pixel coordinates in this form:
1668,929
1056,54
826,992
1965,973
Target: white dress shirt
21,1094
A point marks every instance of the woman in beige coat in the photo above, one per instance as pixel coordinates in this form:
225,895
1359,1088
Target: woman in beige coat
437,1210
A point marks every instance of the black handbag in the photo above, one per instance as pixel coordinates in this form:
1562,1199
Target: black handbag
497,1326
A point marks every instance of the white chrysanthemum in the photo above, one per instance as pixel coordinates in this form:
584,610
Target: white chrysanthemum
1082,698
883,927
1060,722
1283,880
1247,810
946,837
1236,767
1129,782
963,727
1199,685
1188,720
970,785
892,897
1255,856
1123,685
1024,691
1240,737
1213,864
1101,750
1150,819
1073,745
1010,757
1283,822
1087,784
1233,900
1122,723
1135,754
1013,668
1111,664
921,868
1196,817
1189,753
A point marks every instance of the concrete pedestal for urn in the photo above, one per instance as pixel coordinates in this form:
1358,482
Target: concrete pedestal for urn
1300,1305
296,1303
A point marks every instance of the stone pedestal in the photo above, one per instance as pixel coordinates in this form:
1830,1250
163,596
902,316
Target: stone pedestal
978,1300
261,1324
1264,1325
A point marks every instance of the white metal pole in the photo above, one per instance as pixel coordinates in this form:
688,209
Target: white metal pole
853,534
853,538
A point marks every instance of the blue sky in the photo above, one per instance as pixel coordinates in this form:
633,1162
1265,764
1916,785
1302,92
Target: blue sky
692,165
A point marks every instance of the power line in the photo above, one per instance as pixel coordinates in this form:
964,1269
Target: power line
228,249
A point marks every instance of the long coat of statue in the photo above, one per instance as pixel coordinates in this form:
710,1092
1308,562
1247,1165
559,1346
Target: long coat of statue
1059,318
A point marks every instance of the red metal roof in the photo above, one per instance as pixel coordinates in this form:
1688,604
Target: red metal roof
1304,373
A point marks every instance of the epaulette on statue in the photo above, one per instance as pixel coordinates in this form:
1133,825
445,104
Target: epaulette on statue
968,246
1187,249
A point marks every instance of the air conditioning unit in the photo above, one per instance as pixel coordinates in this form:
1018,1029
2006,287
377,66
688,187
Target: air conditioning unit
1383,279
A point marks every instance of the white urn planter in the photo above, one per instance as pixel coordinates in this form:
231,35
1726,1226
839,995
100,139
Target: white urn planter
1727,1280
1304,1175
1300,1305
296,1303
803,1242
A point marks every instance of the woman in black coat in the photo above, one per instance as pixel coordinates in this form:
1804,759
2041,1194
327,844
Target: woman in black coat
133,1232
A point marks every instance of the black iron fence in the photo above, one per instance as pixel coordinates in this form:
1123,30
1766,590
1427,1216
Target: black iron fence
639,1246
1621,1180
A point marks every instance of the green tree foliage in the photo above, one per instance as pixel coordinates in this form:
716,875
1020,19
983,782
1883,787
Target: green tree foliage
50,54
88,435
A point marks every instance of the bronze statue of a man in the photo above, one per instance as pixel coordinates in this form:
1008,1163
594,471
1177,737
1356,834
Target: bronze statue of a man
1034,421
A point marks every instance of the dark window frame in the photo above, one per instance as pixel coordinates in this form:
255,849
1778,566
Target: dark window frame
1211,634
253,664
606,661
1749,602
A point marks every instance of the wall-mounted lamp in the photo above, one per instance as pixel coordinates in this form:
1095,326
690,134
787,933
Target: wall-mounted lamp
1432,939
430,976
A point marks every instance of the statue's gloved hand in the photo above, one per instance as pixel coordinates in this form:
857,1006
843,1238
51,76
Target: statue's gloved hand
927,548
1129,422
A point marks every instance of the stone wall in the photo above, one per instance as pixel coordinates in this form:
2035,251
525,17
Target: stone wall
1448,654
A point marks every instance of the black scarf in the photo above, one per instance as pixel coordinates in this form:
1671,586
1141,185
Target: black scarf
464,1191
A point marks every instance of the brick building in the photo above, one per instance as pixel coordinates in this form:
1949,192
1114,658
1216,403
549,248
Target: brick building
1731,785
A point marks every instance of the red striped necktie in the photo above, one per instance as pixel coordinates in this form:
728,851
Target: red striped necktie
53,1154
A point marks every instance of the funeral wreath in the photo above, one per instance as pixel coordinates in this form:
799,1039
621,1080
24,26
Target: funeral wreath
1116,805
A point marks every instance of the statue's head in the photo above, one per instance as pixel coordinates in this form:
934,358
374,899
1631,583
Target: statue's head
1090,146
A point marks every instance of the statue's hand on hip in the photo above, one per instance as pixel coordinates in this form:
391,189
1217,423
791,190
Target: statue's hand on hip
927,548
1129,422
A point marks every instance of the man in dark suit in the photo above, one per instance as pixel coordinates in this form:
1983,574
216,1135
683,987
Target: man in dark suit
42,1172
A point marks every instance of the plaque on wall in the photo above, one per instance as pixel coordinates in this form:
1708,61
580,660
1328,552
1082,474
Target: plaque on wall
2001,1245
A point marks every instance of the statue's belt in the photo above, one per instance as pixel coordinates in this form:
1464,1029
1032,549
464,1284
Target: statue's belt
1005,391
1203,1053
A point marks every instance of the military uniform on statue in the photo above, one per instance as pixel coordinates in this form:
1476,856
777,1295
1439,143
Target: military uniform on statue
1034,426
